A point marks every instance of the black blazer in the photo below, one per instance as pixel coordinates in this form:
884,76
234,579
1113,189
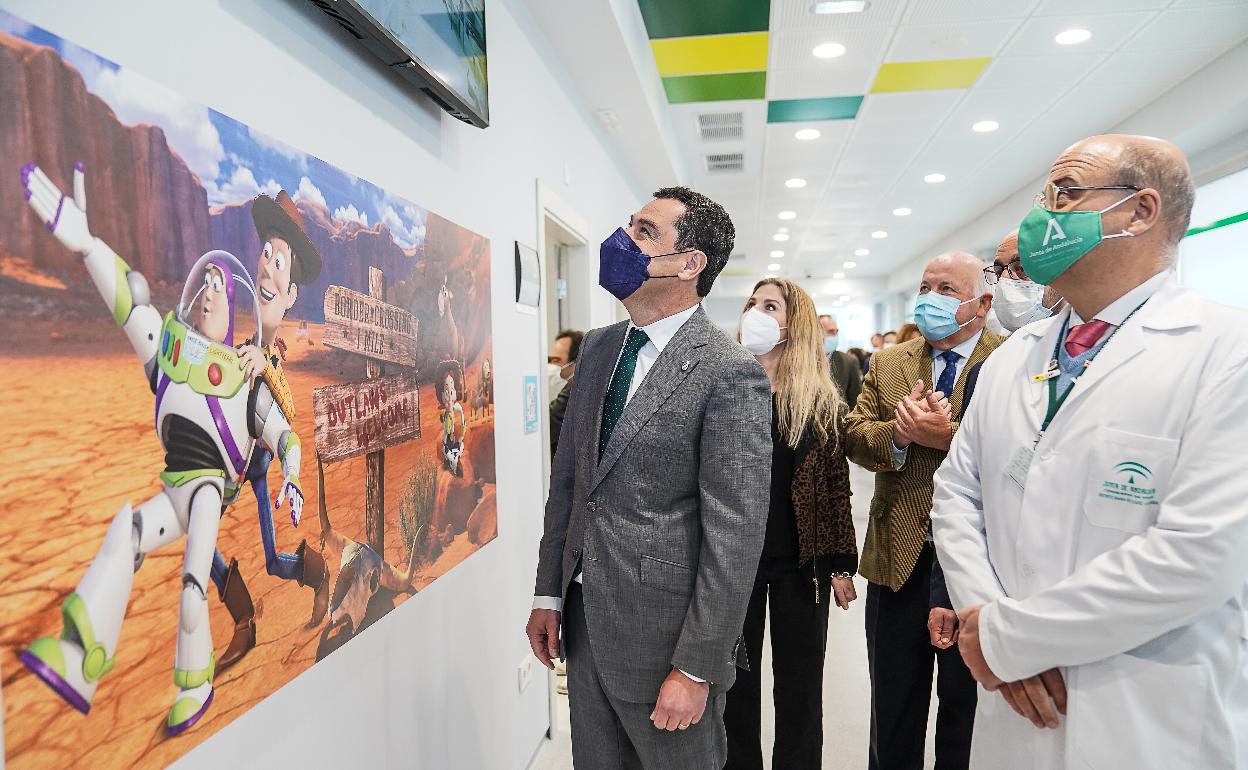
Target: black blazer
939,593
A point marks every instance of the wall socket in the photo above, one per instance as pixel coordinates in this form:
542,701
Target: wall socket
525,672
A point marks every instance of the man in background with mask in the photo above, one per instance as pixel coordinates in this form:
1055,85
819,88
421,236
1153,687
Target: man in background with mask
846,371
907,415
1017,300
1094,539
560,368
658,497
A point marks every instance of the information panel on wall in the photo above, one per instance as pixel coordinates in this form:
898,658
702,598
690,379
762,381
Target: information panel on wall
250,409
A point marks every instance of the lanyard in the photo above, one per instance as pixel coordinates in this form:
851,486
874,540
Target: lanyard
1055,400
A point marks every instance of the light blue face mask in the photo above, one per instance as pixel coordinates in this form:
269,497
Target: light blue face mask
936,315
830,343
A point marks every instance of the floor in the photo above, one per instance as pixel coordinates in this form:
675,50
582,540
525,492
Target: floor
846,691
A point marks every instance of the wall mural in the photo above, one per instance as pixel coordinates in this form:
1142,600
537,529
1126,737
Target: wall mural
250,409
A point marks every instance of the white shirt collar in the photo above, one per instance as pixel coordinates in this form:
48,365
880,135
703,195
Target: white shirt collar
661,331
1119,309
964,349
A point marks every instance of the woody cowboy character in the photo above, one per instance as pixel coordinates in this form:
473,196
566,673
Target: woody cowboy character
288,259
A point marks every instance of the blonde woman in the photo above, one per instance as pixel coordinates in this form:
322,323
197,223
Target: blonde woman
810,552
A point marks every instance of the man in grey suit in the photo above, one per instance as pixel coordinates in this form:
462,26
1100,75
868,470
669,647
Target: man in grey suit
658,503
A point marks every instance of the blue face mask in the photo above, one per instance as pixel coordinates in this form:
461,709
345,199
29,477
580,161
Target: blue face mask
936,315
622,266
830,343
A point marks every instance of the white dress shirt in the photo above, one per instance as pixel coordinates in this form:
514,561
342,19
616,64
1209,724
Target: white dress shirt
964,351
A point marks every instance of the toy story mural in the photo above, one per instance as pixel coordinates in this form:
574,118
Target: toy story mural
250,411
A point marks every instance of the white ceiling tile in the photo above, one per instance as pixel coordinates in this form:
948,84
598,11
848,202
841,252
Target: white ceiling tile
1034,71
1161,71
1203,3
1109,31
863,47
796,15
1074,7
961,40
966,10
1214,27
819,82
917,106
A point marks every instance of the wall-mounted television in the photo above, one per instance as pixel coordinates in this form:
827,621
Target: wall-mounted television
438,45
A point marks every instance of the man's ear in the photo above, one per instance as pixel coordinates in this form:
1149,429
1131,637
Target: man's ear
695,263
294,295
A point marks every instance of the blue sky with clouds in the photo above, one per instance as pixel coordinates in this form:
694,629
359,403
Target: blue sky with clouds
233,162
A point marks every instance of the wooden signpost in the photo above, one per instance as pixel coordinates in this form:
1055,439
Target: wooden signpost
363,418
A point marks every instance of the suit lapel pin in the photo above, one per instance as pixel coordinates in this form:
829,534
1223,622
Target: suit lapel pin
684,367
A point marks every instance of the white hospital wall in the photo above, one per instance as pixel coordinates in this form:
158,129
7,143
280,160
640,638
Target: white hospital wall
434,683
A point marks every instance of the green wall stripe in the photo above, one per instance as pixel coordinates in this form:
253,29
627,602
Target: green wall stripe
1241,217
716,88
798,110
683,18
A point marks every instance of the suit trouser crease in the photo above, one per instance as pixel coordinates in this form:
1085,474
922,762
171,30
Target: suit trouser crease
900,658
608,733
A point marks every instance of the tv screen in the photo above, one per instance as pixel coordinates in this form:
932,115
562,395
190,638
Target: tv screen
444,39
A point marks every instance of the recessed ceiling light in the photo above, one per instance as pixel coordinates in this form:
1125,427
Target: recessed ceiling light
901,212
850,265
813,295
878,234
777,254
839,6
773,267
837,276
780,237
806,134
934,178
782,229
787,215
984,126
795,183
829,50
1073,37
861,252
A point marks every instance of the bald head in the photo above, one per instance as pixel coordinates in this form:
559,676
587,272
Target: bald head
1141,162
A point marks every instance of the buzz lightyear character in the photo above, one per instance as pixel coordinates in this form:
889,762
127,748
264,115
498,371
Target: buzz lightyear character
207,420
450,375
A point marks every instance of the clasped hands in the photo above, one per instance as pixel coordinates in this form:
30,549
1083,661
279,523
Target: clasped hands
922,418
1040,698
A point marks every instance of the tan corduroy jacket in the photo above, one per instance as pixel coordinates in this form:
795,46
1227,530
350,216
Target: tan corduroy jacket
903,499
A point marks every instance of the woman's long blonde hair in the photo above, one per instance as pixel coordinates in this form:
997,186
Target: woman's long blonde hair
805,393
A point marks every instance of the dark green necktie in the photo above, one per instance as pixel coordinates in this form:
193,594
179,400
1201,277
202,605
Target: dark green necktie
617,392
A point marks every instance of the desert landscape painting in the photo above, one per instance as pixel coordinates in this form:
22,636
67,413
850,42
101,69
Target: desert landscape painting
384,358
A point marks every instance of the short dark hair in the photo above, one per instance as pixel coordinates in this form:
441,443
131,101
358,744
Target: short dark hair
704,226
574,342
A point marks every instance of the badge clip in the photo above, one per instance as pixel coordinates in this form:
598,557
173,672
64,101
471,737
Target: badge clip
1049,373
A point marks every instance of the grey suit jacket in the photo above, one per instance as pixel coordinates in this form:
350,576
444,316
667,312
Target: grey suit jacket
669,525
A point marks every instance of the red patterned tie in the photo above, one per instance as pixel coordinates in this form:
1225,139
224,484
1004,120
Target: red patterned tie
1083,337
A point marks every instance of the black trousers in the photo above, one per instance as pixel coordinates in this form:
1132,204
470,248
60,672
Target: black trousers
900,657
799,637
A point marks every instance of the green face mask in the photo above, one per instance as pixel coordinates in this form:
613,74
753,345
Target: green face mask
1049,242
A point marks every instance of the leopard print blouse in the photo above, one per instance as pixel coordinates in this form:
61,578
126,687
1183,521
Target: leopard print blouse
826,538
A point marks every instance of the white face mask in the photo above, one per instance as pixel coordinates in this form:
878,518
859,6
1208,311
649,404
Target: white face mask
554,372
760,333
1018,303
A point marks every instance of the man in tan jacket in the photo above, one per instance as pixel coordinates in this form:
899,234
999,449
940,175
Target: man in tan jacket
901,429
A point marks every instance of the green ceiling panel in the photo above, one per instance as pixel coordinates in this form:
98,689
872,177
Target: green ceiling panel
681,18
716,88
798,110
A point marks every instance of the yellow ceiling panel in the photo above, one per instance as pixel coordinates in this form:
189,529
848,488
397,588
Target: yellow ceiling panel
709,54
928,75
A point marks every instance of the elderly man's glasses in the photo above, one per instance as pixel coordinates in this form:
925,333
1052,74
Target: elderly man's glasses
1052,195
993,272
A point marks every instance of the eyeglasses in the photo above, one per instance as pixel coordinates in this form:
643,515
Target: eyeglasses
1051,195
993,272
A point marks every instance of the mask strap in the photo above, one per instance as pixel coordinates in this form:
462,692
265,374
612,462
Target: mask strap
1124,233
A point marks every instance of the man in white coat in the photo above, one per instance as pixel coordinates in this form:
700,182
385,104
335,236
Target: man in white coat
1092,514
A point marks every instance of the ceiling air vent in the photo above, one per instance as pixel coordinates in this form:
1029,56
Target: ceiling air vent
736,255
725,162
721,126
